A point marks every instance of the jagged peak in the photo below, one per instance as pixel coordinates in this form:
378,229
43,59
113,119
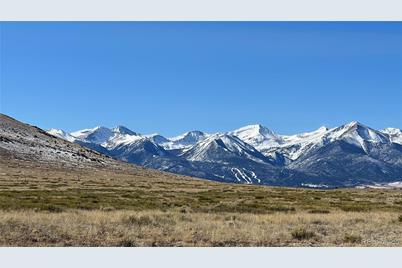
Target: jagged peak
60,134
392,130
354,124
89,130
56,130
322,129
255,129
97,128
224,138
124,130
193,133
157,138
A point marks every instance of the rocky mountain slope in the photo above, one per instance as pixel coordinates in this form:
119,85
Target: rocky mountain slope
28,149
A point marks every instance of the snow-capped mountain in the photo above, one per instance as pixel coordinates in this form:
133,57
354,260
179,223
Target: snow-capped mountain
19,141
221,147
258,136
120,139
27,148
138,151
348,155
292,147
395,134
108,138
61,134
158,139
295,146
124,131
96,135
358,134
185,140
353,151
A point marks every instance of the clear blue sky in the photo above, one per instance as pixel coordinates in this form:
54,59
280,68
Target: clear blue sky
173,77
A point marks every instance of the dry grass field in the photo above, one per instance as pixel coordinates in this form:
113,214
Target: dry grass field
180,228
135,207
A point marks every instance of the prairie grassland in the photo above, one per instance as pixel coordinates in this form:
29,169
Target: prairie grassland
179,228
48,206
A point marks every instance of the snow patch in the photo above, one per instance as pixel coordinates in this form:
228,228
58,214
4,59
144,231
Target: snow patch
311,185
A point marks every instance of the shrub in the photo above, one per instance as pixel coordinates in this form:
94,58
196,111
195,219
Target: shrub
107,208
278,208
52,208
185,210
140,221
230,218
319,211
302,234
356,208
319,222
350,238
127,243
145,220
160,220
358,220
399,202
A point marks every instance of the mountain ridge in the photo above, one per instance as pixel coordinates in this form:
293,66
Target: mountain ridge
256,154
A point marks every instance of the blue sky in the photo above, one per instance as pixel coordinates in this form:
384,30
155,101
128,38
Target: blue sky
171,77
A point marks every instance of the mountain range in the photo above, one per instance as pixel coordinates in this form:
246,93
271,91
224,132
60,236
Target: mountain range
346,156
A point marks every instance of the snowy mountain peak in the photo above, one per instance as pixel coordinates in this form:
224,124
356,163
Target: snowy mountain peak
392,131
322,129
356,130
256,129
99,129
307,135
354,124
157,138
185,140
61,134
258,136
223,138
57,132
352,152
96,135
358,134
294,146
124,130
218,147
191,136
353,133
84,132
395,134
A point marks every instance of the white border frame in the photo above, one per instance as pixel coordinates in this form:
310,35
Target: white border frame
200,257
209,10
200,10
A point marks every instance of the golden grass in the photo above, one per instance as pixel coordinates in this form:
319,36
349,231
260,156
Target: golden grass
54,206
177,228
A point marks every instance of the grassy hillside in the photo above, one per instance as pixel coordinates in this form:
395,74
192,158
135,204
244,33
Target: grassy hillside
24,186
44,206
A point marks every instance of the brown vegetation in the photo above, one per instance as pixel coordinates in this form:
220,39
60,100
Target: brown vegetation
42,206
175,228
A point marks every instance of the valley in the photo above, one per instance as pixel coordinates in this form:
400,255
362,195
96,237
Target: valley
57,193
45,206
